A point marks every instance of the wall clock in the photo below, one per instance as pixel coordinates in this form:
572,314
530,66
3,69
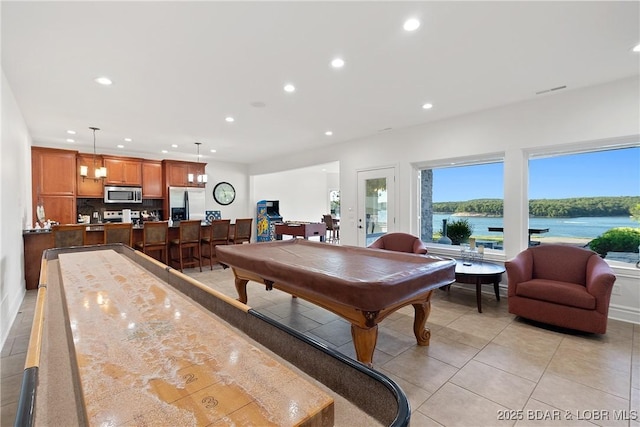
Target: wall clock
224,193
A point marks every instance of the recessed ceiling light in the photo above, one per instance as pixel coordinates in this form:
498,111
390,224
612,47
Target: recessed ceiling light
120,146
174,145
71,140
212,150
427,106
637,48
328,133
106,81
165,151
229,119
411,24
289,88
71,132
128,140
337,63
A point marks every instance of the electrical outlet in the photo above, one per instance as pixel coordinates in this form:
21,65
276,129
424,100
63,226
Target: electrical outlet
615,290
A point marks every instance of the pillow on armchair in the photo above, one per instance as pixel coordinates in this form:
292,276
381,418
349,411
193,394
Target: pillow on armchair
561,285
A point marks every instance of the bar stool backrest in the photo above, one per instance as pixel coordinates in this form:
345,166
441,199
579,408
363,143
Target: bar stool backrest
69,235
243,230
190,231
220,231
155,233
118,233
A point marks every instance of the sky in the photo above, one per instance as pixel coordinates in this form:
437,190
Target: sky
603,173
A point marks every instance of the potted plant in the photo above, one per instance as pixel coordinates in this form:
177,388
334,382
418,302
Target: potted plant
459,231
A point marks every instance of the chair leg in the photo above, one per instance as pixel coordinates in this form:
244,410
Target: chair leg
210,255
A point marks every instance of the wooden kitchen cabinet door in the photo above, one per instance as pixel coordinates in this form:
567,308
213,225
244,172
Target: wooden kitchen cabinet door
152,180
60,208
54,171
122,171
53,183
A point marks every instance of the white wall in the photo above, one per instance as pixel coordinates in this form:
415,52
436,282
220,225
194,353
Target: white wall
235,174
303,195
15,209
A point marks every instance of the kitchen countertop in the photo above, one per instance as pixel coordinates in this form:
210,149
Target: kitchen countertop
92,227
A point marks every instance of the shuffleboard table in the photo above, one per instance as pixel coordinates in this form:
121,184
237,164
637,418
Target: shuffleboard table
361,285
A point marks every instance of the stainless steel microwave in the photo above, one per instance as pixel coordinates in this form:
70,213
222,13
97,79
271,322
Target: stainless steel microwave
122,194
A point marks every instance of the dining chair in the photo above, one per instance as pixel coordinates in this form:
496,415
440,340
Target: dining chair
218,234
155,235
118,232
189,238
242,231
69,235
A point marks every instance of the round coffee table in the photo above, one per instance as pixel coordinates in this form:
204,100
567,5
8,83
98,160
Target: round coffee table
480,273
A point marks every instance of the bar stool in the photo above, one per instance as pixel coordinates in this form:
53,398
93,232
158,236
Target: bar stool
243,231
155,235
333,228
118,232
69,235
218,235
190,237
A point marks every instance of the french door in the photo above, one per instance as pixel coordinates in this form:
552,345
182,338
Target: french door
376,204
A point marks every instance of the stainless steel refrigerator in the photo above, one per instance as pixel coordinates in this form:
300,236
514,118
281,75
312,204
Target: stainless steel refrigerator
186,203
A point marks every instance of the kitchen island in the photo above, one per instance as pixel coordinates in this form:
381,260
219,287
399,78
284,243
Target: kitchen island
36,241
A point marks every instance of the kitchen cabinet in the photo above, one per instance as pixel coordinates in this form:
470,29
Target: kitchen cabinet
177,173
152,179
89,187
53,183
123,171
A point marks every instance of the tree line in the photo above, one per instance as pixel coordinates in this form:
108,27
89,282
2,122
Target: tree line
555,208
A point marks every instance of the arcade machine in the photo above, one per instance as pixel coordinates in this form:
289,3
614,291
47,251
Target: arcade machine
268,214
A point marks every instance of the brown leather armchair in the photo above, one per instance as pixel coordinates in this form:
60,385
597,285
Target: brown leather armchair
400,242
561,285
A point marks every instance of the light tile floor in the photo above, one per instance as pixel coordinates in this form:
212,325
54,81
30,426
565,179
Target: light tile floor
479,367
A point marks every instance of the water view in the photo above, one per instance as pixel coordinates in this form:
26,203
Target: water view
583,228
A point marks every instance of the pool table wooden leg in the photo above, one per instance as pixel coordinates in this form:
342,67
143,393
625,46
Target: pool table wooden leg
422,311
241,288
364,340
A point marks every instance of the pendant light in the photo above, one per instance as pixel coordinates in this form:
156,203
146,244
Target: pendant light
202,179
99,172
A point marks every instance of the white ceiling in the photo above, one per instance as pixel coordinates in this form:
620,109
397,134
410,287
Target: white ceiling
179,68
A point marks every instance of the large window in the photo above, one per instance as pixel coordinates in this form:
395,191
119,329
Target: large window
588,200
469,197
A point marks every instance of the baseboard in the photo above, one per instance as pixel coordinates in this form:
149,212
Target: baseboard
624,314
9,308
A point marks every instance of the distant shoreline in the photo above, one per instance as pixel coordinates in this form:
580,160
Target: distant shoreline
483,215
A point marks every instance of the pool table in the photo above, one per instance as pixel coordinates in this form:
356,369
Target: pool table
116,329
361,285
